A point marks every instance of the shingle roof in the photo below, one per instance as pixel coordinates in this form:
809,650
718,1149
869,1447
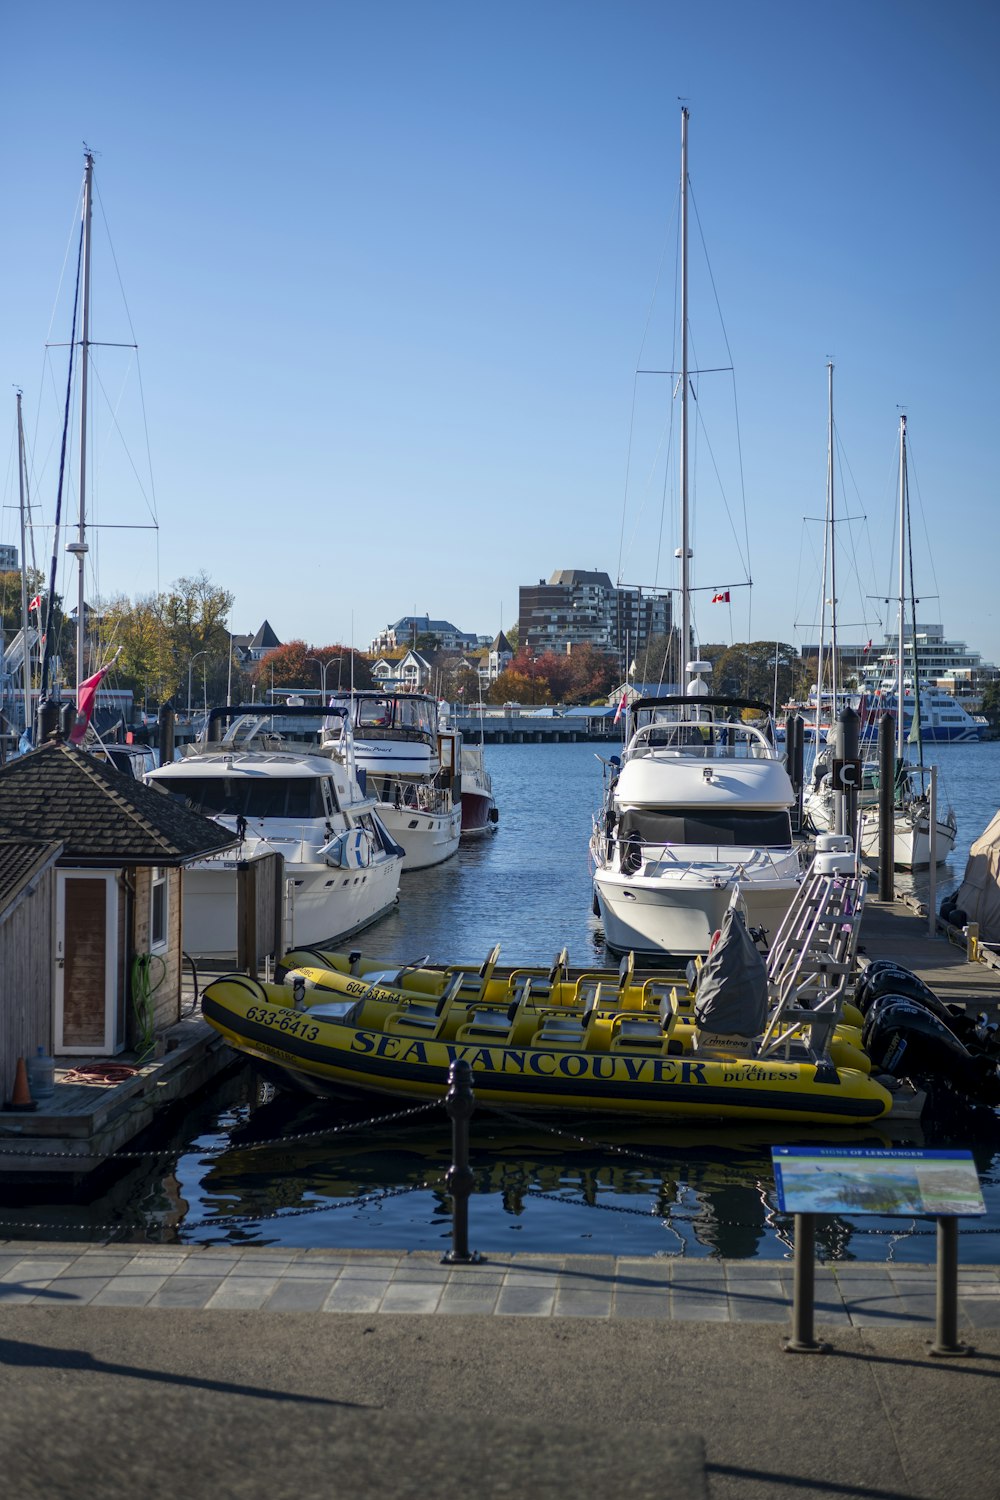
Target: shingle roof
265,637
20,860
101,816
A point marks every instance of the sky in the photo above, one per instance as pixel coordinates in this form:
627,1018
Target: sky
392,269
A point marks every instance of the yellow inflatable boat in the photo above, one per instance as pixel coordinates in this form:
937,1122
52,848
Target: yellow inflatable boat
618,1042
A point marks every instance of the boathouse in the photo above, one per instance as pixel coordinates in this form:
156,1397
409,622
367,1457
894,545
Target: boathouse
90,906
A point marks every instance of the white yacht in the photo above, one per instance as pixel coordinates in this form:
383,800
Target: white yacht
697,811
410,761
342,866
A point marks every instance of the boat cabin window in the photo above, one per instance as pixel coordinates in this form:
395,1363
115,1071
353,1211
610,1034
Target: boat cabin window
251,797
760,829
373,713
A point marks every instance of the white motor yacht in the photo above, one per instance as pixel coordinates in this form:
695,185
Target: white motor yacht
410,761
696,810
342,866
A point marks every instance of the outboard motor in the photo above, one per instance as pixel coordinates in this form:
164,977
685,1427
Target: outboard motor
906,1039
883,977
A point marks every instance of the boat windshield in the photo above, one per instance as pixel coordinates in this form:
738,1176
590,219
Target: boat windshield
298,797
754,827
385,711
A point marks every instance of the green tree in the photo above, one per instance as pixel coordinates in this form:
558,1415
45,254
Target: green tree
991,705
765,670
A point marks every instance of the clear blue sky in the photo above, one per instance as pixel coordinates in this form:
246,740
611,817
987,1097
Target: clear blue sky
389,267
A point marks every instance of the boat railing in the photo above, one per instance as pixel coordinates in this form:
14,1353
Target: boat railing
646,858
697,741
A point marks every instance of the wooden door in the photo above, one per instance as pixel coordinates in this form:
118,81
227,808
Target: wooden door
88,1014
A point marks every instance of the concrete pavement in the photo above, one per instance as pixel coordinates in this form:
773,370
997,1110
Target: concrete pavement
159,1370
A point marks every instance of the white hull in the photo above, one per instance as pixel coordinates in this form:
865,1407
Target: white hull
911,840
677,912
323,904
428,838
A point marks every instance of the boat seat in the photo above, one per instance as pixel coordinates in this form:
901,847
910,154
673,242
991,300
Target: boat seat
631,1031
426,1014
473,981
559,1030
487,1024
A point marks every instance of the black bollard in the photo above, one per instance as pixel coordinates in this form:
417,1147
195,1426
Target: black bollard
460,1104
165,732
850,721
886,806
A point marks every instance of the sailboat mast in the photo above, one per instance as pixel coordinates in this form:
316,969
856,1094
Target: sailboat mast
900,737
79,547
831,509
22,492
685,643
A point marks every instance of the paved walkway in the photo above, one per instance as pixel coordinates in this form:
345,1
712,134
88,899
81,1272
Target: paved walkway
849,1295
161,1370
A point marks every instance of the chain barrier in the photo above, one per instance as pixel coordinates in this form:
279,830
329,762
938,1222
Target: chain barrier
10,1149
234,1220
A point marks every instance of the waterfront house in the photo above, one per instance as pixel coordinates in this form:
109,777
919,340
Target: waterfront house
91,879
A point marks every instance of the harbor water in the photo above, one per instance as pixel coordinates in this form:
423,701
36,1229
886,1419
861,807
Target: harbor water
248,1165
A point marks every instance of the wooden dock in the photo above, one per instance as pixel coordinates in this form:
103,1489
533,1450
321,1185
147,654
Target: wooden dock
899,931
100,1105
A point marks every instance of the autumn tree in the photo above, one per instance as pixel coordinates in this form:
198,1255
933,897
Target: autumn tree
593,674
513,686
298,665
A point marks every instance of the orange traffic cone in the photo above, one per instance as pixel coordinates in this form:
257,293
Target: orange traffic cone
22,1093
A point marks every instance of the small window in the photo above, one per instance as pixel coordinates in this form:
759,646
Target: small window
158,911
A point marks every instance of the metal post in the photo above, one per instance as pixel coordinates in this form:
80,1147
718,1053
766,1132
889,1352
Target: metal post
946,1327
850,722
803,1340
932,872
460,1104
836,731
886,806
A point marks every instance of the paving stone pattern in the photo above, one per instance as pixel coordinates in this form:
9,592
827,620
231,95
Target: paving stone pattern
859,1295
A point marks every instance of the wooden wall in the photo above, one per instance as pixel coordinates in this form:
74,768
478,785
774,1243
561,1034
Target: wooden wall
27,943
167,996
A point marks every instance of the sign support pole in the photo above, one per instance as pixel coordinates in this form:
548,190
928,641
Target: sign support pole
946,1327
803,1340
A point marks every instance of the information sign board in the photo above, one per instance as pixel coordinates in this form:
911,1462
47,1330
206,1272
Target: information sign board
859,1180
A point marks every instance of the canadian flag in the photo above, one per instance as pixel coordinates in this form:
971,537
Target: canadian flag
86,696
721,598
621,708
36,603
867,649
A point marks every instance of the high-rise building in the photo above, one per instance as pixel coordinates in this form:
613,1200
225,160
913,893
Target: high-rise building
583,607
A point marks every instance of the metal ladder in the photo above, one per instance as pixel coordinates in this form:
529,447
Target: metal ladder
811,963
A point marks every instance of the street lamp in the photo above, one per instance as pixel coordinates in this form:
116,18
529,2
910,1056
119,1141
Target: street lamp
190,665
322,666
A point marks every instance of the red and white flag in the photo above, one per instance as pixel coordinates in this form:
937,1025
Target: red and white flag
721,598
86,697
36,603
867,649
621,708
